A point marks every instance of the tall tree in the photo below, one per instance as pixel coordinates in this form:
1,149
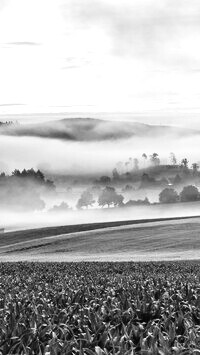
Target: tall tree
184,162
195,168
173,159
168,195
136,163
85,200
110,197
154,158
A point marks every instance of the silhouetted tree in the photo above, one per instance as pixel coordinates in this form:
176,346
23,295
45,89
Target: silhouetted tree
40,175
155,159
168,195
173,159
62,207
104,180
144,156
135,163
147,181
109,197
127,164
120,167
85,200
189,193
16,172
115,174
137,202
29,173
195,168
23,190
184,162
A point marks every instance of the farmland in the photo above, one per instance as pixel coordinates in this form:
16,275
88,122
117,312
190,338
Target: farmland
100,308
174,239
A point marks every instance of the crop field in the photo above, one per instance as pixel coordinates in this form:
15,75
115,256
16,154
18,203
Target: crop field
100,308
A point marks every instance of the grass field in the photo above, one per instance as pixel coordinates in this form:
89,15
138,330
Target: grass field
170,239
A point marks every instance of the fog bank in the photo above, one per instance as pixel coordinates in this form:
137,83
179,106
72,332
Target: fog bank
81,158
17,221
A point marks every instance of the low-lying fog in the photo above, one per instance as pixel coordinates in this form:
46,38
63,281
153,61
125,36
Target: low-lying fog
54,156
90,157
17,221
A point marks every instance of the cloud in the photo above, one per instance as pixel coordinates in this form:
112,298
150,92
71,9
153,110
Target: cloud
24,43
12,104
70,67
161,30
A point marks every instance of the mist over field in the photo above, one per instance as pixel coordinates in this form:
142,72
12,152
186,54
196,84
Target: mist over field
99,177
28,220
74,155
92,150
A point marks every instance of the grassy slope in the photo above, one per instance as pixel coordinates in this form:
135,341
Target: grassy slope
167,239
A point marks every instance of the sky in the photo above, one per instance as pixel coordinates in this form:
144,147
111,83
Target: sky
138,57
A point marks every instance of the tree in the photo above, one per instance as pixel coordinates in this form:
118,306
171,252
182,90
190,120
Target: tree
104,179
40,175
155,159
195,168
147,181
85,200
127,163
131,203
63,207
131,163
136,163
168,195
189,193
16,172
173,159
115,174
23,190
144,156
109,196
184,162
120,167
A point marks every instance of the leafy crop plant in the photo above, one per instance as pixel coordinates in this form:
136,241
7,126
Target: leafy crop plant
100,308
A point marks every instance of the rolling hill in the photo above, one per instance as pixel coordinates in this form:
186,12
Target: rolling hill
167,239
89,129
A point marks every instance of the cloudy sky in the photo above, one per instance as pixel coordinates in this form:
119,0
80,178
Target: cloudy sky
136,56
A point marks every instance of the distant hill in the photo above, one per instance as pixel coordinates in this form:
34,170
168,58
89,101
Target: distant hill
89,129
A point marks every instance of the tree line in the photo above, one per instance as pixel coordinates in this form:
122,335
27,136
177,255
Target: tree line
188,194
23,190
109,197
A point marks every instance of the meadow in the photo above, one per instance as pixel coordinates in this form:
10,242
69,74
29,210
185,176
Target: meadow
100,308
139,240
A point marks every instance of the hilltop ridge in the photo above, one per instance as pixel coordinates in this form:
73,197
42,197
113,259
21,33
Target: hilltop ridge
90,129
